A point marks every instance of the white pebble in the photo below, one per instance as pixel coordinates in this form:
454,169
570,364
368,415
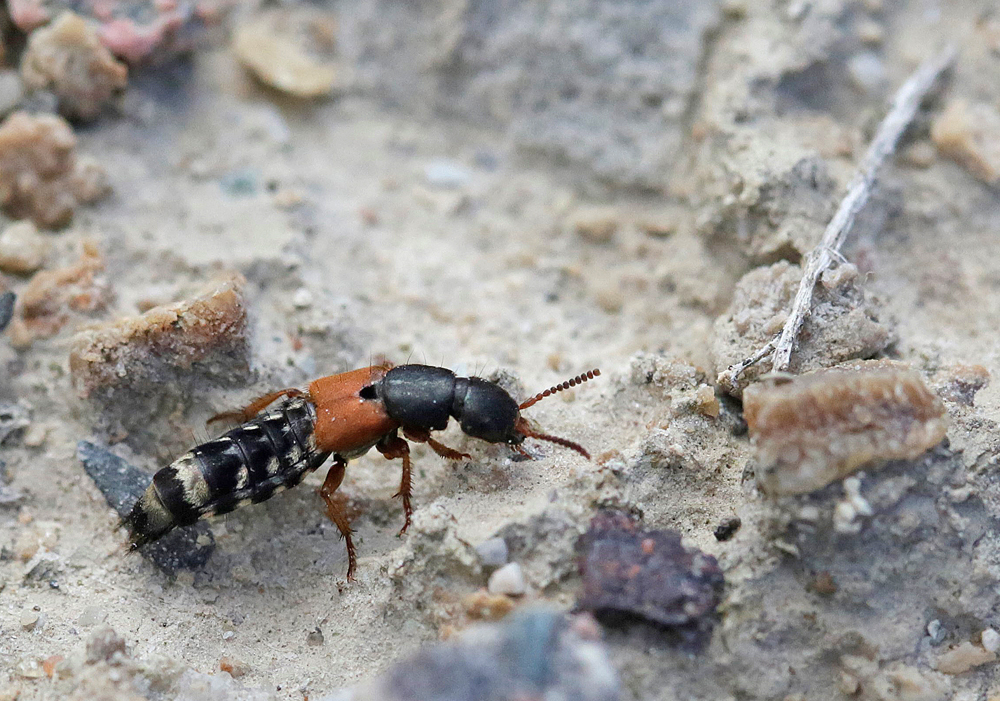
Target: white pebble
447,174
29,619
303,298
508,580
22,248
990,640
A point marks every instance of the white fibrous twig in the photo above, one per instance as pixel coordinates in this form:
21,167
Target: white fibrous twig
901,114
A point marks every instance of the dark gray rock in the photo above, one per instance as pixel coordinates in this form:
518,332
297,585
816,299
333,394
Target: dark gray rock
122,484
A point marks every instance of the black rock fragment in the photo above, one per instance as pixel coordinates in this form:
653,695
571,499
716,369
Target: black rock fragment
727,529
122,484
633,576
7,300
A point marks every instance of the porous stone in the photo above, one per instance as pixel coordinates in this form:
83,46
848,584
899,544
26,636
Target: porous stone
843,322
208,333
823,425
40,176
68,58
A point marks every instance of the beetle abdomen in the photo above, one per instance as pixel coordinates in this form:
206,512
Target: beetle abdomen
249,464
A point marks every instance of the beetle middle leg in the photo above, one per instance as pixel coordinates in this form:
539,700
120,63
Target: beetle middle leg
392,447
336,509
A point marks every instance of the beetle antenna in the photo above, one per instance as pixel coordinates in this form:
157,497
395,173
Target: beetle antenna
579,379
528,432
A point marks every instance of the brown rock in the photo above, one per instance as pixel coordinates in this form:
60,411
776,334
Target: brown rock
596,224
103,643
969,133
210,330
40,177
483,606
824,425
963,657
235,667
68,58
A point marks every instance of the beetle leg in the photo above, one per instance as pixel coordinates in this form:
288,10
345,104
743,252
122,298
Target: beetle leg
254,407
336,509
421,436
392,447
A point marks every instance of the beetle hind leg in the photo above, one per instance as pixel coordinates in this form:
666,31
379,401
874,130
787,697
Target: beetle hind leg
392,447
336,510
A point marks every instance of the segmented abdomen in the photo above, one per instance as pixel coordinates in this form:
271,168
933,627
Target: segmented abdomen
249,464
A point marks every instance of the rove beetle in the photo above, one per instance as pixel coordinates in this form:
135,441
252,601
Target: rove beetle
341,415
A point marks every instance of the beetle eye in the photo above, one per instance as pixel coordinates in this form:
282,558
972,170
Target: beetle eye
368,392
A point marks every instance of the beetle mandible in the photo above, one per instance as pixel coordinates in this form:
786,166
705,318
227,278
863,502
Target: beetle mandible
345,416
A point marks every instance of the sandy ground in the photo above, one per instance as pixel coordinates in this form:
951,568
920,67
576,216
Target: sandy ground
497,268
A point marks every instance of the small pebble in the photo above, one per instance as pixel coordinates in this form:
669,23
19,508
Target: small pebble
991,640
303,298
7,300
29,619
969,133
30,669
34,437
22,248
920,154
609,297
727,529
11,90
235,667
936,632
483,606
508,580
596,224
870,32
867,72
493,552
446,174
91,616
49,665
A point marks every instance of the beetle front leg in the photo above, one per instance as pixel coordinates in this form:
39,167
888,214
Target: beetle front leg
392,447
424,436
336,509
